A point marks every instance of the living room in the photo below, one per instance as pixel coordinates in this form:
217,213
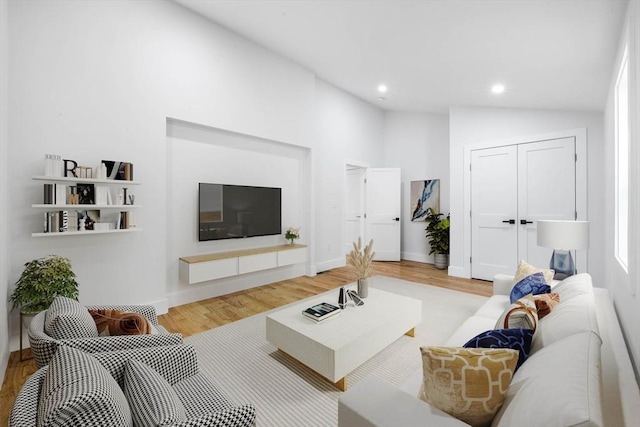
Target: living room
126,80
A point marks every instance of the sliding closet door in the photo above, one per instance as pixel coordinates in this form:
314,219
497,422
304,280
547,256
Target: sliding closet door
546,190
494,210
511,188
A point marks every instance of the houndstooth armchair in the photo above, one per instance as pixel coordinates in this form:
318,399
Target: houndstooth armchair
76,328
144,386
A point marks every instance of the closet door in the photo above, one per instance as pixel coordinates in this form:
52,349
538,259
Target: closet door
494,211
546,190
511,188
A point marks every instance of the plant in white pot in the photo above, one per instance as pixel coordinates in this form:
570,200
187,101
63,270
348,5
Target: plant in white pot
361,261
438,235
41,281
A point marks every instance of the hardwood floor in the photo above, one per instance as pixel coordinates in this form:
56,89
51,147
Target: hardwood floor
200,316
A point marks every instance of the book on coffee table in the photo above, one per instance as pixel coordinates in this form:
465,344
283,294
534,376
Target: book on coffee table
321,311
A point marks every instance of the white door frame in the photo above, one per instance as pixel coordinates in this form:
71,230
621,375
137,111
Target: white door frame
343,220
581,188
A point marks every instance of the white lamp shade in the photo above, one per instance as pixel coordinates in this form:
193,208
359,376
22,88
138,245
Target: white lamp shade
567,235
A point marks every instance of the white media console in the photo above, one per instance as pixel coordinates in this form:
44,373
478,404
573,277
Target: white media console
201,268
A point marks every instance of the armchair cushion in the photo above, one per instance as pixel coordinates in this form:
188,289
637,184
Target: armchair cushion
153,401
67,318
78,391
44,345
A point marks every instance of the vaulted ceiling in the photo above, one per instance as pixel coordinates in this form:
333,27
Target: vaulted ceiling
433,54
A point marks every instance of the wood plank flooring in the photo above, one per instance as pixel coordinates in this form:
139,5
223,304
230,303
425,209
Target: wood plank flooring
200,316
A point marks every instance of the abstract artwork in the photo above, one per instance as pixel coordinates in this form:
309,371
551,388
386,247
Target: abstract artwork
424,195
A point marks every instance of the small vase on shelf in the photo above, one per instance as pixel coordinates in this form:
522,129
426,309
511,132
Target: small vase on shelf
363,287
292,234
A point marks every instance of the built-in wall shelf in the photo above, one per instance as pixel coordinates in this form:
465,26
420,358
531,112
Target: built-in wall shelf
201,268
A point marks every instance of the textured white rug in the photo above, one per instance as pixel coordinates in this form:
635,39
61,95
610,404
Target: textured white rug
286,393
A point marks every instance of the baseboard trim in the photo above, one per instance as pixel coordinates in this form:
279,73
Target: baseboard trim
329,265
417,257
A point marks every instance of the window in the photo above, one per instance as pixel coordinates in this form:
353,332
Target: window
622,162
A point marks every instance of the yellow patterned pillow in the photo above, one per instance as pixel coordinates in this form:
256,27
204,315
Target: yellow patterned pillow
467,383
525,269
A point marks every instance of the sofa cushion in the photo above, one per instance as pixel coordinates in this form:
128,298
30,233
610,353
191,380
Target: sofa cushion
493,307
545,303
536,393
467,383
152,400
533,284
117,322
521,314
525,269
572,286
470,328
67,319
516,339
79,391
578,314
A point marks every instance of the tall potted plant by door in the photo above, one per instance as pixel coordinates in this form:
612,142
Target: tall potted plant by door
41,281
438,235
360,260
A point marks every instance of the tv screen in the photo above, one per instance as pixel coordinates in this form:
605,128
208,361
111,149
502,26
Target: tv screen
235,211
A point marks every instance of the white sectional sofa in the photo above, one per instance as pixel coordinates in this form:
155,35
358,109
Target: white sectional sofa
578,372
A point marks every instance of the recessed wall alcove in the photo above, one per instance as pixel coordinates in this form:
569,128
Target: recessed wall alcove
198,153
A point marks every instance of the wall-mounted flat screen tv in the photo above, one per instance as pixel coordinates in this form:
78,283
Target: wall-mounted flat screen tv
235,211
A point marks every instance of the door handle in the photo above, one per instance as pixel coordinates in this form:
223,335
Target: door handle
509,221
396,219
524,222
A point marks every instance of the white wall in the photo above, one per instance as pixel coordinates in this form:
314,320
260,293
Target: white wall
472,126
4,189
348,130
419,145
625,286
98,80
199,154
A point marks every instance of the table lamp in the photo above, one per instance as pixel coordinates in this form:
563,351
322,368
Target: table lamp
563,237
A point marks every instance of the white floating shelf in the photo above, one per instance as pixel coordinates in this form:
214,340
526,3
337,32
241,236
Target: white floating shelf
84,233
73,179
83,207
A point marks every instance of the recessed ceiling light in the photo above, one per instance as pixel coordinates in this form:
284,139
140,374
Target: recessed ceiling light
382,88
497,88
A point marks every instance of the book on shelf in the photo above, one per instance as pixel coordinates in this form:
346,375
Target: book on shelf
321,311
119,170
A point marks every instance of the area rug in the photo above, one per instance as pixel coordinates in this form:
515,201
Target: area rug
285,392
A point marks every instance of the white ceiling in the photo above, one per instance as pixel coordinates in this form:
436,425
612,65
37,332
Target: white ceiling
433,54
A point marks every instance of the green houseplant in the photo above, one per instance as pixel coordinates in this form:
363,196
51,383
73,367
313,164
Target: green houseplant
438,235
41,281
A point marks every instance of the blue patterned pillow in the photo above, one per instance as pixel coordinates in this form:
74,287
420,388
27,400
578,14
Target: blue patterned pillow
515,339
533,284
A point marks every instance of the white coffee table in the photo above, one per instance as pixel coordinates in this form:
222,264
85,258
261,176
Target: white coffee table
338,345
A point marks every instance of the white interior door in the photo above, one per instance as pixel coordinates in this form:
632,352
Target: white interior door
494,211
355,206
383,204
512,187
546,190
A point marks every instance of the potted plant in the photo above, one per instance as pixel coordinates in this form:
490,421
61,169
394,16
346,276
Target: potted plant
41,281
360,261
438,235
